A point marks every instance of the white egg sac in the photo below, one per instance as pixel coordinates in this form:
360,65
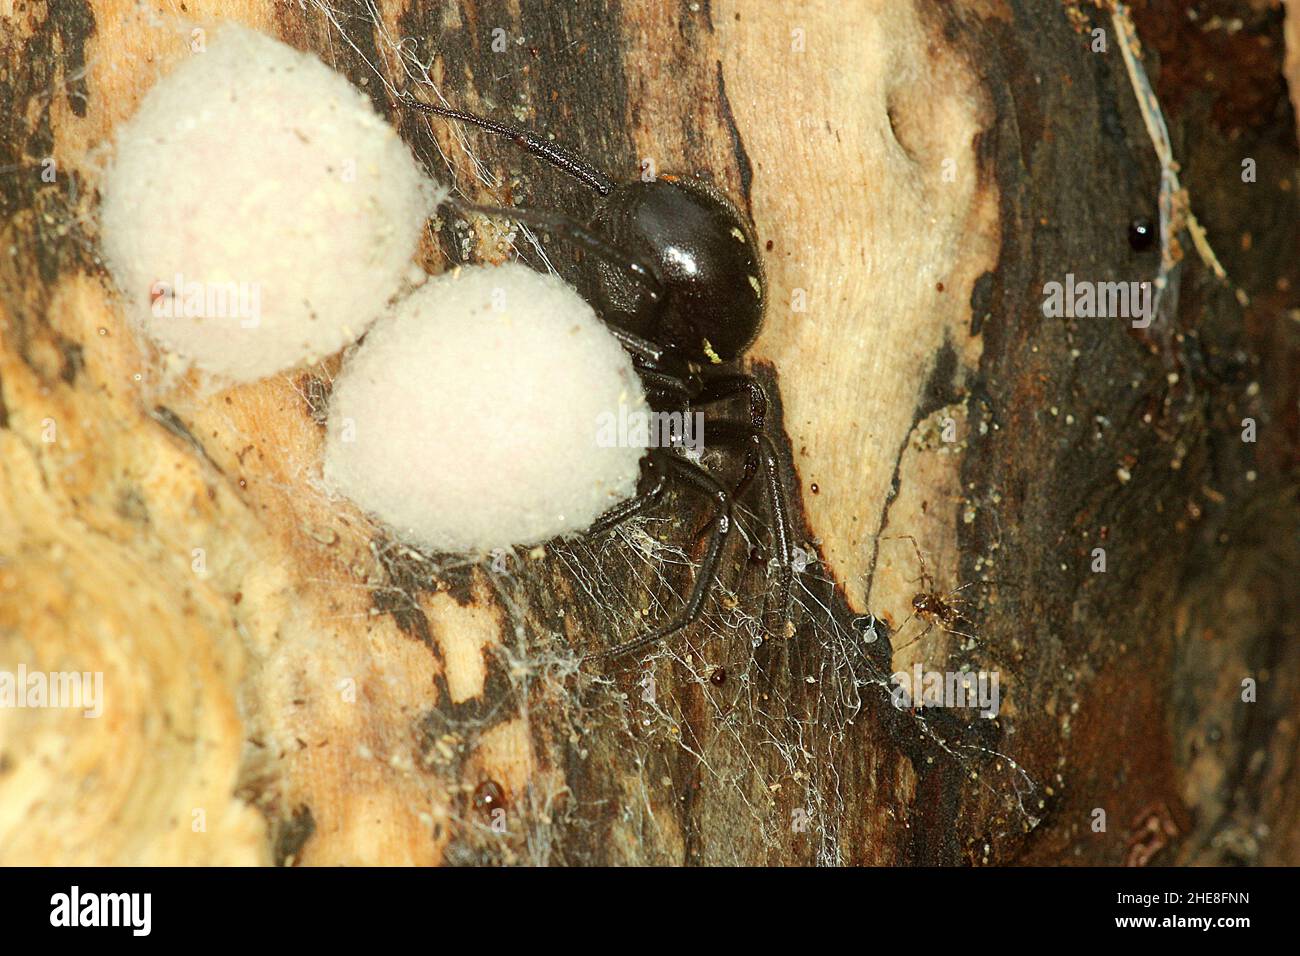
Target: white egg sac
258,213
487,411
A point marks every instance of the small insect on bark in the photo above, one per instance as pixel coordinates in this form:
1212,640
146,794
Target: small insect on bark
937,609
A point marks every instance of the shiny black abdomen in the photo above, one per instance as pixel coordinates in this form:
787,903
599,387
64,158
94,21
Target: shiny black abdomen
704,254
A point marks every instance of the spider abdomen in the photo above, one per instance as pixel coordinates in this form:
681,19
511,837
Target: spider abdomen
704,255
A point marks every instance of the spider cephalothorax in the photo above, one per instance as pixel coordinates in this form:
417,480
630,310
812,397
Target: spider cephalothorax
678,280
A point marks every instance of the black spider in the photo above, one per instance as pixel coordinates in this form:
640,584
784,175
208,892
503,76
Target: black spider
679,283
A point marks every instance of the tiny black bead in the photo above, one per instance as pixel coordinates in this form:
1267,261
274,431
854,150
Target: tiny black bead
1141,234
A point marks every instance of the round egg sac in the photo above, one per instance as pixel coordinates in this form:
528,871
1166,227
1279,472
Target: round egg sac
489,410
257,212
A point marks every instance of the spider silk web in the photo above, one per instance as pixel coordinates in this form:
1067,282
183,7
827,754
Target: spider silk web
758,756
753,746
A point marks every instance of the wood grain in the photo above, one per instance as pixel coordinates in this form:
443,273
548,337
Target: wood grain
284,684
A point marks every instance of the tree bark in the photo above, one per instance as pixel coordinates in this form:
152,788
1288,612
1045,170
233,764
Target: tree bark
284,683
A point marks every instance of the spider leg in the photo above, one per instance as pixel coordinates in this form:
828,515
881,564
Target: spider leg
639,503
526,140
782,531
929,626
957,590
651,355
666,385
899,629
719,388
699,480
760,451
926,582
